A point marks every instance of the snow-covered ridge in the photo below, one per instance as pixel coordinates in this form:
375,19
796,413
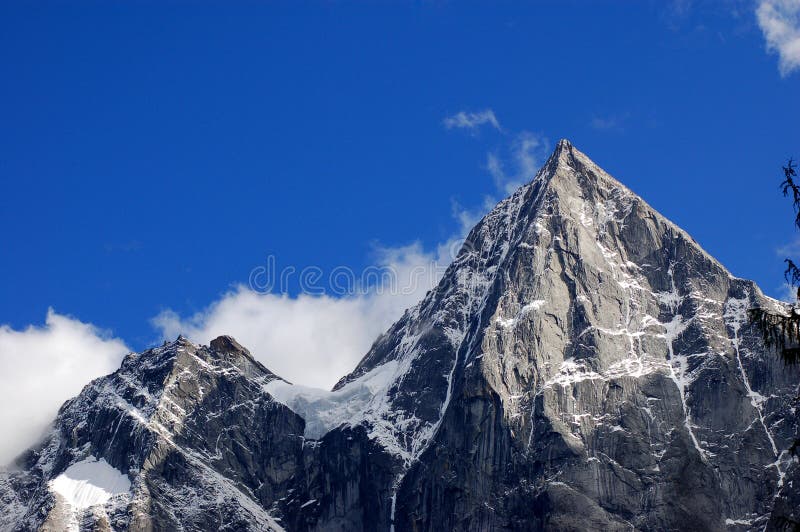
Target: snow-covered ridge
325,410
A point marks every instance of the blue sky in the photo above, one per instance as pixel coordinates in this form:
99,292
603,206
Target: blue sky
152,154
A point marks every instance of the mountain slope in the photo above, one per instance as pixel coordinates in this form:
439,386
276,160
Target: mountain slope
612,379
582,364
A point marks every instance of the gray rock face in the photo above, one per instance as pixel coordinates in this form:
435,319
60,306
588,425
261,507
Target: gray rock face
614,381
583,364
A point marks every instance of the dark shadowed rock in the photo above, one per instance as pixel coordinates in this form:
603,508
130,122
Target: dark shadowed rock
226,344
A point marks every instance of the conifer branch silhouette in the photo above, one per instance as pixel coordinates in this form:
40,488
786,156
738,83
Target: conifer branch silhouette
782,330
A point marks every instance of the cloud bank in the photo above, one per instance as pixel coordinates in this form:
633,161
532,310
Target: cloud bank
40,368
779,21
314,340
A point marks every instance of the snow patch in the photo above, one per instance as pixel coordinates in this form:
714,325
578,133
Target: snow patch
324,410
90,482
507,323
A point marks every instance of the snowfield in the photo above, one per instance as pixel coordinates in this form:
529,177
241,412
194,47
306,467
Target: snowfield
90,482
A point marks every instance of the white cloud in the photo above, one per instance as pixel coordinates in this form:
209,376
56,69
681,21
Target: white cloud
527,152
40,368
314,340
779,21
527,155
472,121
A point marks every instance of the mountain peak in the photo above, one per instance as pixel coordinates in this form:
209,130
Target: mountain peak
582,363
227,344
563,144
562,155
566,157
597,201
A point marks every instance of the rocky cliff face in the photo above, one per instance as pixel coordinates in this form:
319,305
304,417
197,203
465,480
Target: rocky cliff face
204,445
583,364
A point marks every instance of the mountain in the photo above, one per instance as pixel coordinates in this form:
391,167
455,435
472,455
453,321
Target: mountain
583,364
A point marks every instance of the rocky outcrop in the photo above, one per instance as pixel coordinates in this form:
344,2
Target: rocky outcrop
204,445
583,364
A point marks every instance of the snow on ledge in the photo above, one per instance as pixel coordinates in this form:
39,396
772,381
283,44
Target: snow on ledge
89,482
324,410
